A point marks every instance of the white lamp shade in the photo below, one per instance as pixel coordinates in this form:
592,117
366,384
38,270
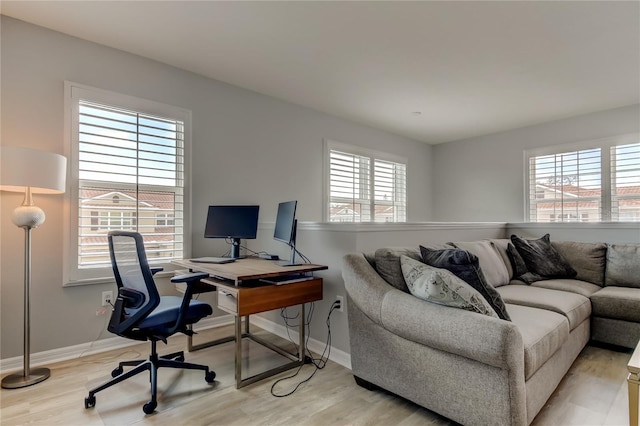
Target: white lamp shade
43,172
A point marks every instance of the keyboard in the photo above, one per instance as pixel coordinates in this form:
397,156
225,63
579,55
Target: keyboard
286,279
213,260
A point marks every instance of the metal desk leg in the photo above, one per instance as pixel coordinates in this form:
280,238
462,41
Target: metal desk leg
238,356
301,334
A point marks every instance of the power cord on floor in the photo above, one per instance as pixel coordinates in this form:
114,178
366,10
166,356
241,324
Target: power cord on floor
318,363
105,359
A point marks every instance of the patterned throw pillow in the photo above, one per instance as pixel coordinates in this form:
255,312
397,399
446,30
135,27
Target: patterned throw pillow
542,258
442,287
466,266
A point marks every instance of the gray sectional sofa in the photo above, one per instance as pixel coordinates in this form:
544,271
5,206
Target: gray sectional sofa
479,369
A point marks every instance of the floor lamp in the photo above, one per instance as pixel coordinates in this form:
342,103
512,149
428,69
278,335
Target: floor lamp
32,172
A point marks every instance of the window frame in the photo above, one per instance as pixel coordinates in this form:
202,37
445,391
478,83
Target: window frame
74,92
604,145
373,155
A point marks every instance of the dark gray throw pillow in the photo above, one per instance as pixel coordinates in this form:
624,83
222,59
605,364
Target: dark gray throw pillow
465,266
517,262
541,258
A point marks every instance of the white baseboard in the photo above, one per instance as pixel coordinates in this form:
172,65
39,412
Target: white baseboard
117,342
336,355
98,346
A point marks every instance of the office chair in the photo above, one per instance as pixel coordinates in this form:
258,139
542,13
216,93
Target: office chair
140,313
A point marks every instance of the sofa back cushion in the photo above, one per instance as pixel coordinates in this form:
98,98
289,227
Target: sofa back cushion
500,245
492,265
387,264
588,259
623,265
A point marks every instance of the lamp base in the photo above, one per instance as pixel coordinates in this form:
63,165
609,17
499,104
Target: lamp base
14,381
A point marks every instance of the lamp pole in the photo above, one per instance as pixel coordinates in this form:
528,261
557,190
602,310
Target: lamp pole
27,216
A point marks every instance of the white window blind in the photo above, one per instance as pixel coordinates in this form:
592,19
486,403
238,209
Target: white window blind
566,187
130,170
363,188
390,192
598,183
625,183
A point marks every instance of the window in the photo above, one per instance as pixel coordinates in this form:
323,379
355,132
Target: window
625,182
598,181
164,219
128,169
364,186
109,221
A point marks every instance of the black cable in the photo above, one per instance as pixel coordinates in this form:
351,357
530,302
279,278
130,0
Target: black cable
319,364
302,256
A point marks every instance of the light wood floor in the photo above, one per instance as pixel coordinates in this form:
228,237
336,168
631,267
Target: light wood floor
593,393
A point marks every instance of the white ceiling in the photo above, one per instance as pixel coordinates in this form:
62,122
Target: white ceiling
470,68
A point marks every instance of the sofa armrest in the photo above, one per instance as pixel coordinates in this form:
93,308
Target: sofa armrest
479,337
363,284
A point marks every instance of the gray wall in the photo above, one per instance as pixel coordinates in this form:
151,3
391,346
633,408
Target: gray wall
482,179
247,148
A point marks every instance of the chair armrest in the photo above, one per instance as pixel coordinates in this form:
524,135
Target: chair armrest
189,278
156,269
131,298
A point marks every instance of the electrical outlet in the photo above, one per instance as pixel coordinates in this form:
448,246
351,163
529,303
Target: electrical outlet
340,301
107,298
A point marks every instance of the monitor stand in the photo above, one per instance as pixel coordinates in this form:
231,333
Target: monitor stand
292,260
235,249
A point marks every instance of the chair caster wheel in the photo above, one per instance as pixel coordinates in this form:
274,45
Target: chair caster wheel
210,376
90,401
116,372
149,407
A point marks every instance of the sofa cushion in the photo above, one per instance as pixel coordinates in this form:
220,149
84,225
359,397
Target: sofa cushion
465,266
568,284
543,333
501,247
623,266
588,259
575,307
442,287
387,261
621,303
541,258
492,265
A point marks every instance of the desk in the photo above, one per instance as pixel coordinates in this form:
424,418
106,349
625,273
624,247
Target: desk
241,294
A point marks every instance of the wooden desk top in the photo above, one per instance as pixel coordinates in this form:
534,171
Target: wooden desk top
248,268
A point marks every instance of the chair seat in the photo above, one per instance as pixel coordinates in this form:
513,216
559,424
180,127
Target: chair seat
166,313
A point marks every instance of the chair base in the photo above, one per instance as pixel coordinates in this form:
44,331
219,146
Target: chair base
174,360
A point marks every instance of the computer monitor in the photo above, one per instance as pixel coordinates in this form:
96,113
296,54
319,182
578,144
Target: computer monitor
286,227
233,222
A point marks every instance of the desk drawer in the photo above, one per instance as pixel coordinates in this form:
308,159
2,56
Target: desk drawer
227,301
